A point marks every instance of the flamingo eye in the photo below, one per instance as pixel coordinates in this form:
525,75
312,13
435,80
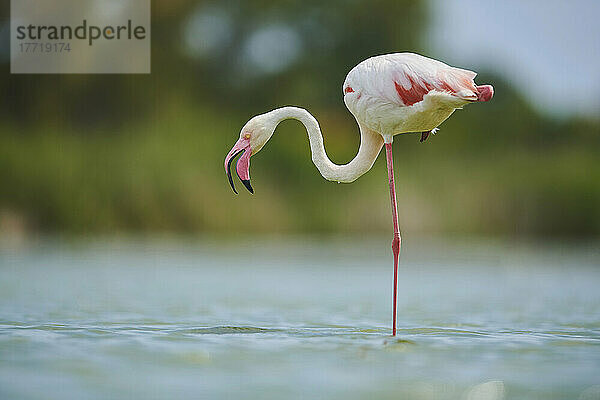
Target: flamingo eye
348,89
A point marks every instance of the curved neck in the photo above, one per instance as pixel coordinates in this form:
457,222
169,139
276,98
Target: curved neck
370,146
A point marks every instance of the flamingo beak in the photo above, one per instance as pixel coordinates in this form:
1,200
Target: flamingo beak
242,167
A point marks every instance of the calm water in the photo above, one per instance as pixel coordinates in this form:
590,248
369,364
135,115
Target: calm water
303,319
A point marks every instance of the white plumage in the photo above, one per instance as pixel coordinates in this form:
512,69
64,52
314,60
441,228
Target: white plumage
406,92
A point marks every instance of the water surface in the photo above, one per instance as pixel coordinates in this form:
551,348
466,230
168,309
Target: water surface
299,319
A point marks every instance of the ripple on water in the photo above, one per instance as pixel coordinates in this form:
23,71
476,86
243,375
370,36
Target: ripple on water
226,330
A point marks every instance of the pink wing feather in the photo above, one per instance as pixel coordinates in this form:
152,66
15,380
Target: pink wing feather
408,77
413,81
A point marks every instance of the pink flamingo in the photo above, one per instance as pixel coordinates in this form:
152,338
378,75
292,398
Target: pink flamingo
388,95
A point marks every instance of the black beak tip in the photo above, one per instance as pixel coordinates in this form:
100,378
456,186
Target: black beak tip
228,170
231,183
246,183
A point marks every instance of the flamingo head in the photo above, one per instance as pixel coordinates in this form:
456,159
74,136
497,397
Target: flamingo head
253,136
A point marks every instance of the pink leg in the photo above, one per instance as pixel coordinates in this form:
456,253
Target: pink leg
396,240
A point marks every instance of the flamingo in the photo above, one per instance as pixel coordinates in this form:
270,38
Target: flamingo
388,95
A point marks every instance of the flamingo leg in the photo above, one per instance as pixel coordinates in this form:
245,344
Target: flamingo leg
396,241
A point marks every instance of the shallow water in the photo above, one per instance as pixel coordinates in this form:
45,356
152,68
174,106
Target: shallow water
300,319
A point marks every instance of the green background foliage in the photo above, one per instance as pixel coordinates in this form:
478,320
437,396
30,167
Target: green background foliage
98,154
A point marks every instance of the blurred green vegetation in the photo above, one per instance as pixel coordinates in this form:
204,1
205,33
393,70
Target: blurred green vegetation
101,154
